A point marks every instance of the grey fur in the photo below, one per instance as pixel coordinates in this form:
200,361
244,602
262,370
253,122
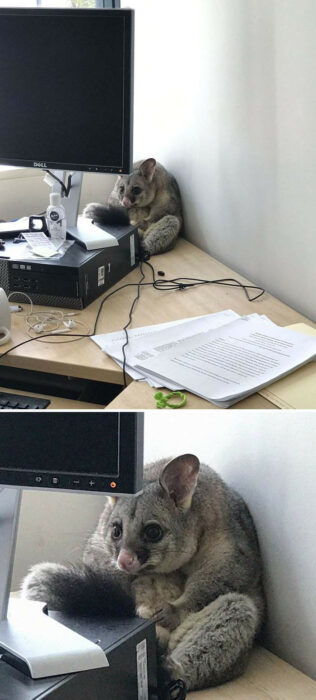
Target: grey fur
201,582
156,210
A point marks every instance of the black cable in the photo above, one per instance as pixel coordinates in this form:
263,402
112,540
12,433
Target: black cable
179,283
177,690
158,284
47,335
65,189
123,286
130,321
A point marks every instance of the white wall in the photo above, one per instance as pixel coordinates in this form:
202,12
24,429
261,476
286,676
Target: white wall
53,527
270,458
225,97
23,192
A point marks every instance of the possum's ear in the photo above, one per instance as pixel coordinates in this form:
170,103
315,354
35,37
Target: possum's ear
147,168
179,479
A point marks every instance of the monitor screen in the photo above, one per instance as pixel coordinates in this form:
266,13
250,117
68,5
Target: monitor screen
66,89
85,451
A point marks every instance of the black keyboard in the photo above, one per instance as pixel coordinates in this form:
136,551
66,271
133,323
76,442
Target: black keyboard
10,402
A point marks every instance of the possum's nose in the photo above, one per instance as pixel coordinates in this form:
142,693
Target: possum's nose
127,561
127,202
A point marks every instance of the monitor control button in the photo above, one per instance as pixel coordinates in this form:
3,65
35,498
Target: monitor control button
92,483
38,479
76,483
55,480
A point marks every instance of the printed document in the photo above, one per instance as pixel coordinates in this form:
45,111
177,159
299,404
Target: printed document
149,341
226,364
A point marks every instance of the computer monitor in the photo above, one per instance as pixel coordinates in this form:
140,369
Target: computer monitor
80,451
99,452
66,86
66,89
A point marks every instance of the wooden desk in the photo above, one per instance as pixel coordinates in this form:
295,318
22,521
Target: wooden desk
139,395
266,678
85,360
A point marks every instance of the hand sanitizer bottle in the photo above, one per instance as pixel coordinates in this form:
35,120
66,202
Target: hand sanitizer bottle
56,220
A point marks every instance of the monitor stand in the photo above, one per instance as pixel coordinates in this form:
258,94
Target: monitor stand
30,640
82,229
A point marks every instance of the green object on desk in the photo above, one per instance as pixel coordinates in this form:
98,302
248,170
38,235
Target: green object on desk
162,400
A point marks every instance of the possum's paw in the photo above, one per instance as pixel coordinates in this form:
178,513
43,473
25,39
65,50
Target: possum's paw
167,616
163,636
40,583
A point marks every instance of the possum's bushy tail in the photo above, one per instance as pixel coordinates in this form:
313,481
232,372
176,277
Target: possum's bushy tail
78,588
95,592
107,214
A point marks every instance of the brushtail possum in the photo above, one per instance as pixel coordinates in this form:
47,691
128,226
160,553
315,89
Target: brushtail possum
183,553
148,198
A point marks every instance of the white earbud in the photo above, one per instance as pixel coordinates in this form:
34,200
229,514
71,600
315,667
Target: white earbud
38,328
70,323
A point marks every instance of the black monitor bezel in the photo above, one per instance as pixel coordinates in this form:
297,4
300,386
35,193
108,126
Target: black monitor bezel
127,162
129,481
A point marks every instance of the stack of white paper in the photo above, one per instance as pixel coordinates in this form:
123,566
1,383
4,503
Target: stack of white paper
221,357
227,364
149,341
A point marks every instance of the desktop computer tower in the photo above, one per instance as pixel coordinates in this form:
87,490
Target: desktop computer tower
130,647
76,279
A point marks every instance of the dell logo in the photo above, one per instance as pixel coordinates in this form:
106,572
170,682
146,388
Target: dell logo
38,164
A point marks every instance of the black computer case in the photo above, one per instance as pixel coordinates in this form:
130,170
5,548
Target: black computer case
130,646
76,279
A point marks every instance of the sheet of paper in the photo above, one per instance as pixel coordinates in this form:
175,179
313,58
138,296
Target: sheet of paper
169,338
146,336
133,333
114,342
40,244
297,390
139,377
22,251
237,359
149,341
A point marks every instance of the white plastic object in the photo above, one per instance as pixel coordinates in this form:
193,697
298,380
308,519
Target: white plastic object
5,318
91,235
47,647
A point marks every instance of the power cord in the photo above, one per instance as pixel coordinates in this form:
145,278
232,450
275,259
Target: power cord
130,321
177,690
65,188
180,283
52,322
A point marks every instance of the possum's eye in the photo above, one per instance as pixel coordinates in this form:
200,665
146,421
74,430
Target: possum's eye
136,190
153,532
116,531
122,189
